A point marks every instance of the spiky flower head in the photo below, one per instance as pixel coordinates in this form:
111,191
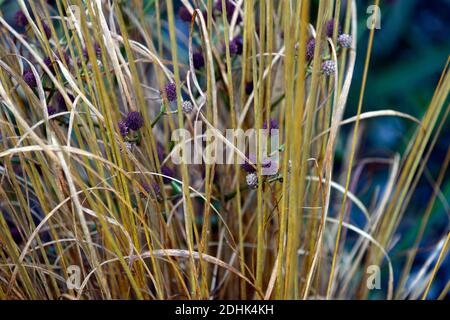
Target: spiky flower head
171,91
230,8
252,180
310,47
186,107
236,45
198,60
184,14
123,128
329,67
29,78
134,120
21,19
345,40
330,28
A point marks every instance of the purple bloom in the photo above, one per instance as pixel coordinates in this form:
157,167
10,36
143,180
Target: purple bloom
21,19
29,78
249,87
51,110
165,170
123,128
236,46
198,60
330,28
310,47
50,65
273,124
171,91
250,165
184,14
329,67
345,40
134,120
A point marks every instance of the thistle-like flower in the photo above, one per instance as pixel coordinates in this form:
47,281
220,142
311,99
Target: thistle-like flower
252,180
171,91
29,78
345,40
21,19
310,47
123,128
186,107
329,67
330,28
134,120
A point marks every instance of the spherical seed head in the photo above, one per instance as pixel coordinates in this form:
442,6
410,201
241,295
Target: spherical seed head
134,120
345,40
29,78
236,46
187,106
329,67
21,19
184,14
171,91
252,180
310,47
198,60
273,124
123,128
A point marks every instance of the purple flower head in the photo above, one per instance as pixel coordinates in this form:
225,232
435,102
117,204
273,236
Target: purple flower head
123,128
165,170
250,165
330,28
51,110
273,124
329,67
345,40
171,91
198,60
249,87
29,78
134,120
310,47
184,14
236,46
51,66
21,19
